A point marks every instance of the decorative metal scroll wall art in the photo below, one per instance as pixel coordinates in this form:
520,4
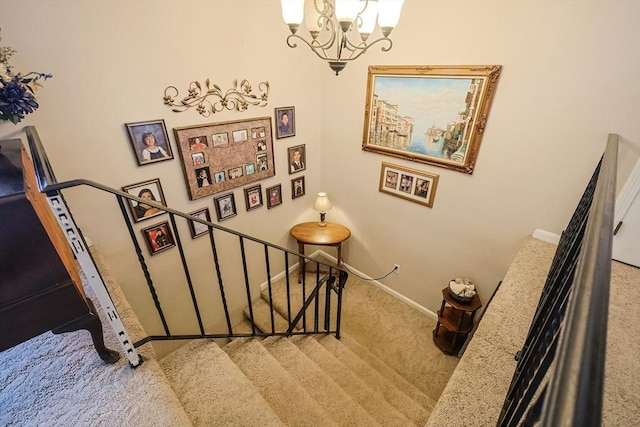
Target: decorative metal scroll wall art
210,99
221,156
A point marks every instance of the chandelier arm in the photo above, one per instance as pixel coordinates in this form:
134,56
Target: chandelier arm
327,8
315,49
357,51
314,44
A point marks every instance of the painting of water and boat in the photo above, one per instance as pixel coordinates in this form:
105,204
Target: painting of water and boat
429,114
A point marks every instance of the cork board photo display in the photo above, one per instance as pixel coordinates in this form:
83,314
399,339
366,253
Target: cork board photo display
221,156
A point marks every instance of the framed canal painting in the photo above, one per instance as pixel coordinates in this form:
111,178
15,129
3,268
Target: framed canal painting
429,114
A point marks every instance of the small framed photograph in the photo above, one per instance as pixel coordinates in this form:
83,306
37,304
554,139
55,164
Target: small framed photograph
203,177
149,190
250,168
240,135
274,196
150,141
253,197
286,120
235,173
262,162
406,183
198,143
159,237
410,184
258,132
198,159
225,206
297,187
297,158
197,228
220,139
391,180
219,177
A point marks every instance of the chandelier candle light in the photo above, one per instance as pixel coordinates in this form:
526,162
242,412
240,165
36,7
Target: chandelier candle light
322,205
343,25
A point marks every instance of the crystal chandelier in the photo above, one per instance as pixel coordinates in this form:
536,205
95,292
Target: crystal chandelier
339,30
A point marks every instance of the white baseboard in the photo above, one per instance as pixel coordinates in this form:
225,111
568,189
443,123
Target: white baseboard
377,284
546,236
292,268
385,288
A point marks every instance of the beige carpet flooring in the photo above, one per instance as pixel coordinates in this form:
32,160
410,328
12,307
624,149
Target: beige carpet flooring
60,381
487,366
398,334
385,369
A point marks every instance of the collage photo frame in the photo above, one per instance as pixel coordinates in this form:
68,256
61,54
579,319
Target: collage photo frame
410,184
222,156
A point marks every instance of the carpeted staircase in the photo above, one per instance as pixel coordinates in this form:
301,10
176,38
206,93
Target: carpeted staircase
298,381
385,370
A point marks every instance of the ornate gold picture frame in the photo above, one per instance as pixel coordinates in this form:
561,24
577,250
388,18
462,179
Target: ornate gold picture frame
429,114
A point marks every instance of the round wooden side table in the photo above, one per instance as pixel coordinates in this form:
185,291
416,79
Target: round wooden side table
310,233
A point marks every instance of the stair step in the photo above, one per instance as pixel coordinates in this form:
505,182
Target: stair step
383,385
279,296
289,400
262,317
344,410
424,400
364,363
374,403
377,330
213,390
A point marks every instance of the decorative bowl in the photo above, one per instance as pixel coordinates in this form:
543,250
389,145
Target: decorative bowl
461,289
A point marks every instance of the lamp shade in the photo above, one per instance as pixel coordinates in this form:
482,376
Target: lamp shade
347,10
389,13
369,17
292,11
322,202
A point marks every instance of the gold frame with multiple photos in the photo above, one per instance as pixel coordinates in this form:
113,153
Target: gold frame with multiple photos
409,184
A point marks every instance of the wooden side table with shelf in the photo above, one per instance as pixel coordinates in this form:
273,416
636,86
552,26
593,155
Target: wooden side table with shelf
455,321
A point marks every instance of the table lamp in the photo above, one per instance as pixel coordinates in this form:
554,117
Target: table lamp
322,205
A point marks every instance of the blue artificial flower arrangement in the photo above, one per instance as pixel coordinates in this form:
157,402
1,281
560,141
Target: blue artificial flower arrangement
17,91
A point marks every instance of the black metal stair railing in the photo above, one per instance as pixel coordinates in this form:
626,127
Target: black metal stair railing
560,372
275,258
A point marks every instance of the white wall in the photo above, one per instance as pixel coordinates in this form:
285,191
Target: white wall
112,61
571,75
